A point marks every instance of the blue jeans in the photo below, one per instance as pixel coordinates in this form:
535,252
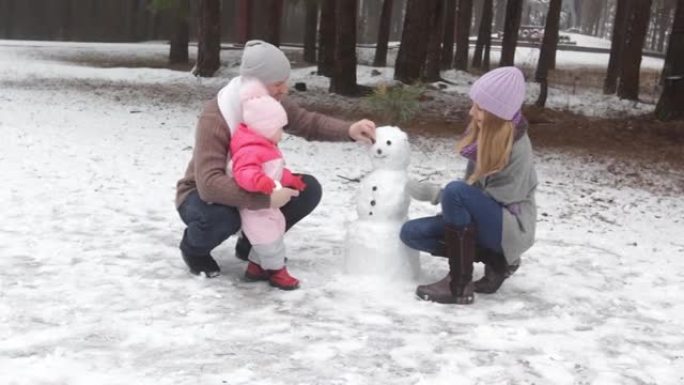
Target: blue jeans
209,225
462,204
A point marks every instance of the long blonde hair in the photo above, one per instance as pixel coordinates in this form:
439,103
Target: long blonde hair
494,143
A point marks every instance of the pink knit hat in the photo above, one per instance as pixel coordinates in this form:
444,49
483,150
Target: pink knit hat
260,112
500,91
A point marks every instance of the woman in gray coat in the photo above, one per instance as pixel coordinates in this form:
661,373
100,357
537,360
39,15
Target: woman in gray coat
490,216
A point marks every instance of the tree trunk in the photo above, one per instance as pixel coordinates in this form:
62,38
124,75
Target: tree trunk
510,39
671,103
628,87
178,53
448,39
326,40
484,36
310,27
66,21
413,50
208,39
464,14
383,34
664,24
275,16
549,44
343,81
500,16
616,47
8,18
243,20
133,20
433,62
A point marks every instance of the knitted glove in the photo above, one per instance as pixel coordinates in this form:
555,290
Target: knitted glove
264,184
297,183
424,191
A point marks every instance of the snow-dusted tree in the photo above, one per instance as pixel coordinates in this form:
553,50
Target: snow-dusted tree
380,59
449,29
343,79
464,14
413,50
671,103
484,37
326,38
637,25
548,48
310,27
243,20
510,38
208,39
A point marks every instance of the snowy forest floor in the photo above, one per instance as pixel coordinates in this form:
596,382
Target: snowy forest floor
93,290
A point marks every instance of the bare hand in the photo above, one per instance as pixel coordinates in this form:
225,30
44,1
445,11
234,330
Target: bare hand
363,131
281,197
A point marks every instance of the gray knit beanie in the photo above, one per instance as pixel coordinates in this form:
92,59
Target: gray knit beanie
265,62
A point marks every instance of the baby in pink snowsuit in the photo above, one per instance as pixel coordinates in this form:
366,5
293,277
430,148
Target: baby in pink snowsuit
258,166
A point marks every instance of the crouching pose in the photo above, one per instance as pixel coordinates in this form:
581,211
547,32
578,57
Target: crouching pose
490,216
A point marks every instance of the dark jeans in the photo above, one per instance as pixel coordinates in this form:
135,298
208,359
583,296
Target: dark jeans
462,204
211,224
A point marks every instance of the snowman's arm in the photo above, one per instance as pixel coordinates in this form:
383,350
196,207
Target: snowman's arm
249,174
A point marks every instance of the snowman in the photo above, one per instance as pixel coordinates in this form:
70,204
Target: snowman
373,246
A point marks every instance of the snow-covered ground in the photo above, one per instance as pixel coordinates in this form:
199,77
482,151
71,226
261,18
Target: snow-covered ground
93,289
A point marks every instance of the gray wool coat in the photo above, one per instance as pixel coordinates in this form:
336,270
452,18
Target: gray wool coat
514,187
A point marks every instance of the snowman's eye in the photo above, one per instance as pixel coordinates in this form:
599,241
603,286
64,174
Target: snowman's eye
389,142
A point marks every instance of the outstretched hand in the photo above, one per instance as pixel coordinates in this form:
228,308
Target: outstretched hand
363,131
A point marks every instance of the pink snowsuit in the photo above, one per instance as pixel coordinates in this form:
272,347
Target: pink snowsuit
257,165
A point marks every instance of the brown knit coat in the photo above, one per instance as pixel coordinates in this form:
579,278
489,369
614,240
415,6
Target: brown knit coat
206,171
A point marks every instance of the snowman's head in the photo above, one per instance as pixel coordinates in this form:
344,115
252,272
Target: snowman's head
391,149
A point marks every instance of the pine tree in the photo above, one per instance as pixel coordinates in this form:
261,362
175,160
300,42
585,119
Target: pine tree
383,34
413,50
326,38
343,80
510,39
671,103
637,25
310,27
464,16
208,39
484,37
549,45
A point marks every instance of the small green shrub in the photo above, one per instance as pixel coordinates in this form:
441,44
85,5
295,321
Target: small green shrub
395,105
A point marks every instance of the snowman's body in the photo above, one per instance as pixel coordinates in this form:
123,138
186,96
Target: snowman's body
372,244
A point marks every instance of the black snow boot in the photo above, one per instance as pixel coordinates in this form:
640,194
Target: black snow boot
202,265
496,271
242,247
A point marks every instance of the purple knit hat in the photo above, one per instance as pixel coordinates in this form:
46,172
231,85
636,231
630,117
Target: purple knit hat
500,91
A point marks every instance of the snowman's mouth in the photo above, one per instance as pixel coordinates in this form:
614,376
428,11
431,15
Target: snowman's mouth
379,156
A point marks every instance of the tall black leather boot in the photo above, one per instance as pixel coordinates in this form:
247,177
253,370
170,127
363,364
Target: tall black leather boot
457,286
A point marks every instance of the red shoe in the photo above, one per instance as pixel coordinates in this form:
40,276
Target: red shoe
254,273
282,279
